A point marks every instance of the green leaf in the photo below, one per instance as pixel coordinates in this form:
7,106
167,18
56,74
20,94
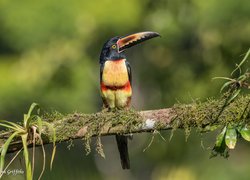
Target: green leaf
8,126
11,125
220,146
244,59
5,149
245,133
226,84
220,137
231,138
27,117
224,78
242,77
26,157
32,107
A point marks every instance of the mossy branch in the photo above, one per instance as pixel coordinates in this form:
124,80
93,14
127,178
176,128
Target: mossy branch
205,116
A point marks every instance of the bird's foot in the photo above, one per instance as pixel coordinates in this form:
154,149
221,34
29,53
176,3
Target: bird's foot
105,109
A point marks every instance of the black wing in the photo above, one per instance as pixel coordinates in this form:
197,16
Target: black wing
129,72
101,71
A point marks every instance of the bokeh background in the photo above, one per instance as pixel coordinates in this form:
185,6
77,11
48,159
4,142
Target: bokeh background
49,53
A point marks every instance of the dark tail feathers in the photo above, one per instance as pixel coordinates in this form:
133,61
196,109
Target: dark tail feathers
122,143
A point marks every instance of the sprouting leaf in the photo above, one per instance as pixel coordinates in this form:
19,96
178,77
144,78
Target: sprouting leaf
220,137
245,133
226,84
29,121
244,59
231,137
243,77
27,117
4,150
220,146
32,107
222,150
10,125
225,78
7,126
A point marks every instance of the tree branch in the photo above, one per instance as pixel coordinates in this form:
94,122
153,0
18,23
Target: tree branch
205,116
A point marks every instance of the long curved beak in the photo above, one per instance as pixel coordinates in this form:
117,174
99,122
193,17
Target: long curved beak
133,39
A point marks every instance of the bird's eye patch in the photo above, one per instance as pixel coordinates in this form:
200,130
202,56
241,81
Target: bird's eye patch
114,46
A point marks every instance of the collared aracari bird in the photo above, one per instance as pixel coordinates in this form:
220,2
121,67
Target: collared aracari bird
116,79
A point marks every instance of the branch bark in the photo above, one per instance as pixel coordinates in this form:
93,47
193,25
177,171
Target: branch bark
205,116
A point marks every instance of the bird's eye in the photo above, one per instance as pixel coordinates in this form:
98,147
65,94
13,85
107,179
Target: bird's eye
114,46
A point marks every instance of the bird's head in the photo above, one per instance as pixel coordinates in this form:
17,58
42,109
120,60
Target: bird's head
113,49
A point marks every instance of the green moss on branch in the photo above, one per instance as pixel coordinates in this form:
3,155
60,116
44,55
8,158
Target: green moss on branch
205,116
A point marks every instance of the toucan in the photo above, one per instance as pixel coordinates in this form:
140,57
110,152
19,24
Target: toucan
116,80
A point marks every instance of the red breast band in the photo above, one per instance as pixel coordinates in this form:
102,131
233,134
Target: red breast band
126,87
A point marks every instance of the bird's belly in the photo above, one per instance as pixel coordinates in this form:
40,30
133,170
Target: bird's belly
119,98
122,98
115,73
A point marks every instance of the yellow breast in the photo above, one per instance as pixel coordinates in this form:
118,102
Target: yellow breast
115,73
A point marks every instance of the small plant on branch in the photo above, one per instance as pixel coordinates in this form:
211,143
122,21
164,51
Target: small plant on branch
229,134
30,131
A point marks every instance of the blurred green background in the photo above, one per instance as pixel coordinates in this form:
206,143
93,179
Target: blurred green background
49,53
